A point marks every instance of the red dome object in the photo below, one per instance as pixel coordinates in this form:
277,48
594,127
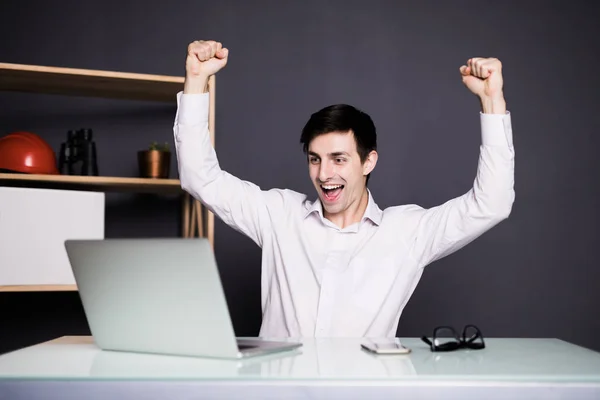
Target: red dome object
28,153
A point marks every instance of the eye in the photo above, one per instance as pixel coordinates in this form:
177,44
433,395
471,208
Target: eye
340,160
313,160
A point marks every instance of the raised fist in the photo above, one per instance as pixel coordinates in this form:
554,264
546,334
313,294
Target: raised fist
483,77
205,58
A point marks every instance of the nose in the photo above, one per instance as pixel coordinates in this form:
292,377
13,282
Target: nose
326,171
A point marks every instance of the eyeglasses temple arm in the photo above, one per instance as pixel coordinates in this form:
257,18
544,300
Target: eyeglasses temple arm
426,340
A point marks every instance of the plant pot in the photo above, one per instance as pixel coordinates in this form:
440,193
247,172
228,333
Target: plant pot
154,164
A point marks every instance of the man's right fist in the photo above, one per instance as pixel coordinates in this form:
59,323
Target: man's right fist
205,58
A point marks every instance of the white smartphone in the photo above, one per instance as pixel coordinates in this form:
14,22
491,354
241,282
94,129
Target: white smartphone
385,346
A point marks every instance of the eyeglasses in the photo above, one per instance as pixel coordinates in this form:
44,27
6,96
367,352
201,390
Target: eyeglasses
445,338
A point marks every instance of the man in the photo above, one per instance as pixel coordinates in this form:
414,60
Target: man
340,266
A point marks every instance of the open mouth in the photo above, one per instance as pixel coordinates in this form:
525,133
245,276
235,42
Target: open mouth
332,192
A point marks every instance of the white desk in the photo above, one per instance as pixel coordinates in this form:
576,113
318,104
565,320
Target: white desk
75,368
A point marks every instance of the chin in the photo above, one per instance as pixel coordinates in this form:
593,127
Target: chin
332,210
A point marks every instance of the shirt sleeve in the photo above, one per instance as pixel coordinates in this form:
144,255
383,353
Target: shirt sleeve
240,204
447,228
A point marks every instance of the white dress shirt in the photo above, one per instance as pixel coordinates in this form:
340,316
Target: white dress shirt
318,279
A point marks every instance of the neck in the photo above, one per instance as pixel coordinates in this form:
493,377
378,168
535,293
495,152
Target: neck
352,214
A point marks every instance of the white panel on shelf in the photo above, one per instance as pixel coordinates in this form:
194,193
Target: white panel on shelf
34,224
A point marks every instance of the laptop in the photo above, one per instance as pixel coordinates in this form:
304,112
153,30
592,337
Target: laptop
161,296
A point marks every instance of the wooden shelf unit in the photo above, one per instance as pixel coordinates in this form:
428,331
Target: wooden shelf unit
196,219
89,83
92,183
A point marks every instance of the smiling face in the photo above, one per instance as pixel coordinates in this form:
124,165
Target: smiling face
338,174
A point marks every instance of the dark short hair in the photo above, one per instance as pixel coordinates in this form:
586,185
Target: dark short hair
342,118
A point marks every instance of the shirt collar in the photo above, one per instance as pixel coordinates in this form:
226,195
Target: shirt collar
373,212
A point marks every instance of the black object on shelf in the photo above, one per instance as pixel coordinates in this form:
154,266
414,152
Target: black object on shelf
78,154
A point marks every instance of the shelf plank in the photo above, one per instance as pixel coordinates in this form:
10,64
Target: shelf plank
92,183
38,288
86,82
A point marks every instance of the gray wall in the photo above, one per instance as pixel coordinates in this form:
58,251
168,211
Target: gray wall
534,275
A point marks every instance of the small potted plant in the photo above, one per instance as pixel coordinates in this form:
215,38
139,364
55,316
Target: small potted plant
155,162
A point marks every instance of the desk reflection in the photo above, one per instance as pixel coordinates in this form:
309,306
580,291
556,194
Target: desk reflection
317,358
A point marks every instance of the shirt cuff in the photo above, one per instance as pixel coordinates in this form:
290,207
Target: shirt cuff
496,129
192,108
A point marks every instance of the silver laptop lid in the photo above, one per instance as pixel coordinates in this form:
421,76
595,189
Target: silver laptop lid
153,295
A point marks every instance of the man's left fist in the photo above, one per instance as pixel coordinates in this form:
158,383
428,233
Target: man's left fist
483,77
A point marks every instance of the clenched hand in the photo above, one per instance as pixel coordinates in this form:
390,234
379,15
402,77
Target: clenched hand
204,58
483,77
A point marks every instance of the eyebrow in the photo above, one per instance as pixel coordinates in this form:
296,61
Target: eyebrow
339,153
334,154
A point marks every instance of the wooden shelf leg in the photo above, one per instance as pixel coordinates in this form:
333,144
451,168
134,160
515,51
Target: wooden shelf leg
185,215
192,231
199,214
211,228
196,218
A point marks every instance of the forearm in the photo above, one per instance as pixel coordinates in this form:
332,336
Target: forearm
196,85
196,159
493,188
493,105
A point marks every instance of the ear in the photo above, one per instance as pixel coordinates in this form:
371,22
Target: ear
370,162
